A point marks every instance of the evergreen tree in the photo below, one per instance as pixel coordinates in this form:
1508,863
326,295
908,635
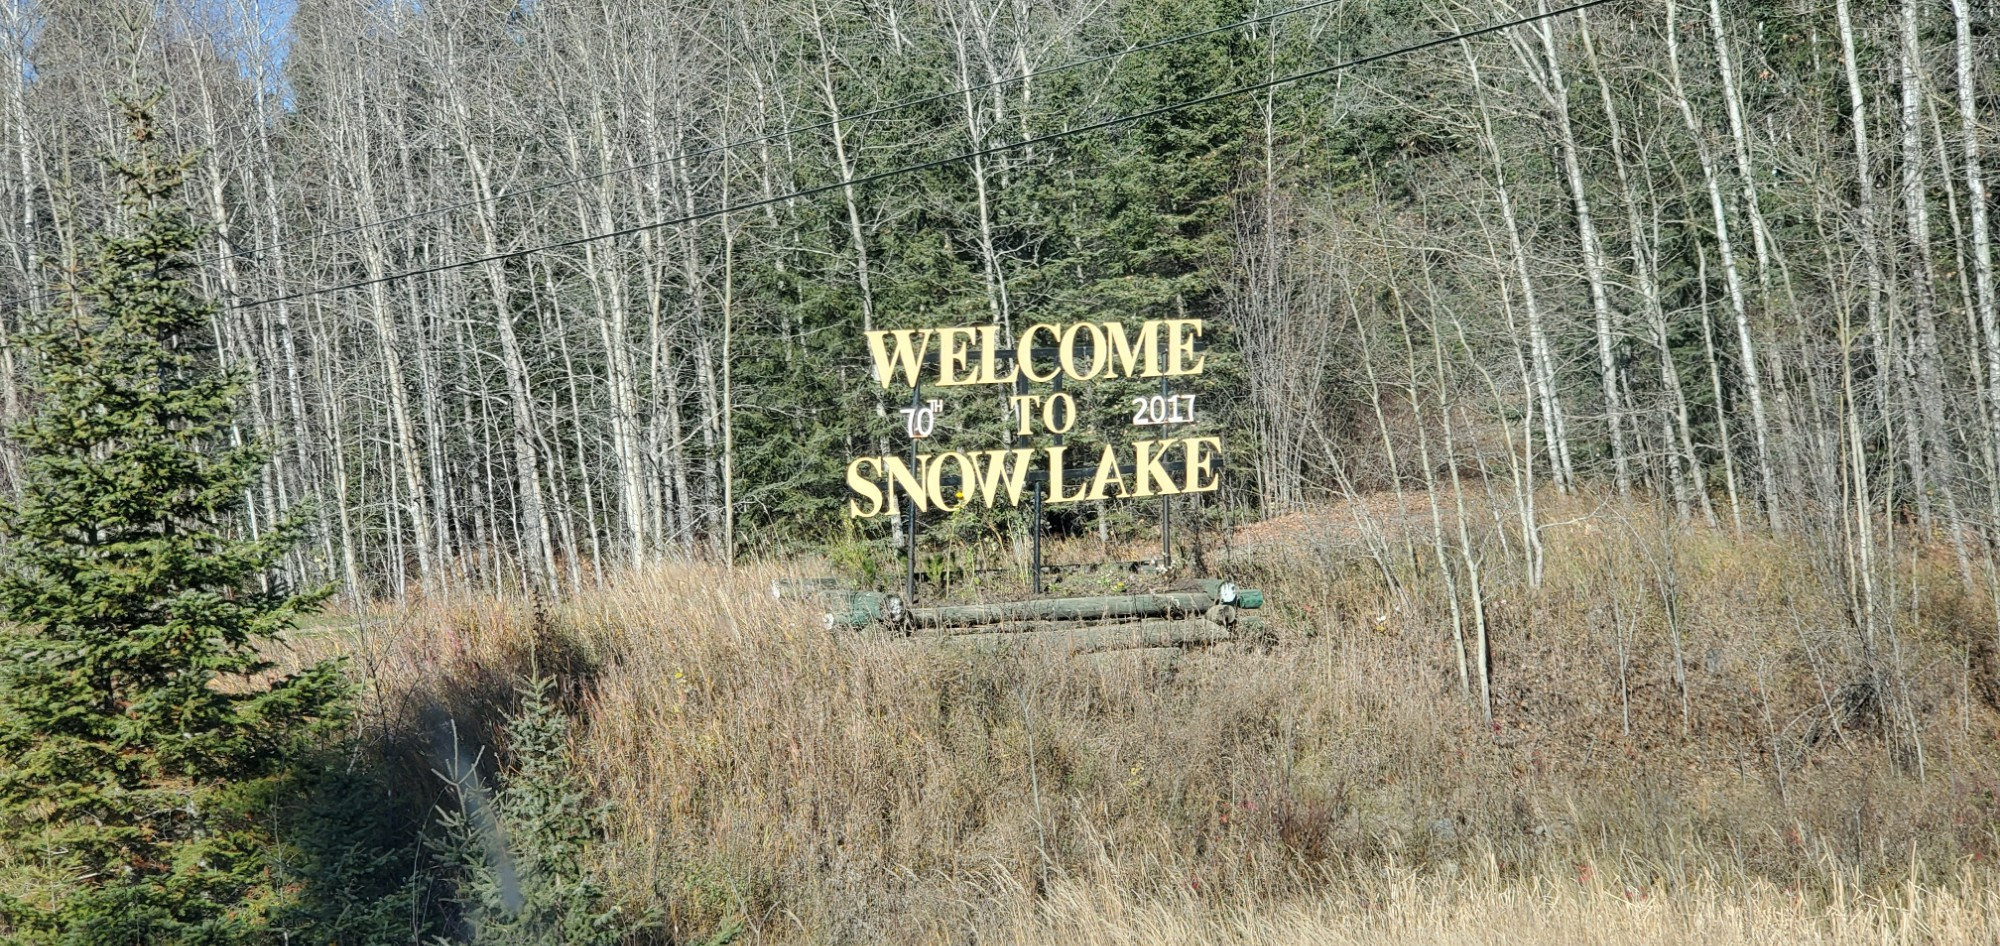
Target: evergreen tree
521,851
143,743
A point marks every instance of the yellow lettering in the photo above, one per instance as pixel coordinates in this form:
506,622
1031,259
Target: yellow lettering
1056,478
912,484
1181,358
1107,475
911,345
996,466
1201,454
1049,412
989,357
1149,470
865,487
1126,355
1022,404
954,356
1099,357
1024,359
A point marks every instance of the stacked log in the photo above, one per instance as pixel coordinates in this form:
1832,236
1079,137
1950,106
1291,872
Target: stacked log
1095,608
1181,619
1090,639
855,608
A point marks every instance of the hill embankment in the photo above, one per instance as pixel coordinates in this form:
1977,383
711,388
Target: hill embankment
1694,737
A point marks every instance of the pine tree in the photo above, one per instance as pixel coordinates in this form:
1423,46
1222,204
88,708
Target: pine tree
143,743
520,852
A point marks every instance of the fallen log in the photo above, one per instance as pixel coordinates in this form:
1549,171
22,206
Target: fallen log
1226,592
1100,608
1218,601
1087,640
1002,627
1035,627
854,608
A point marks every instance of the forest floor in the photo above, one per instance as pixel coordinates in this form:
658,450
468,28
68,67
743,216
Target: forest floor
1687,745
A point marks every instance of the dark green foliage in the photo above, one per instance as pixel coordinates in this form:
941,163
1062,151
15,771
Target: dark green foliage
520,850
1151,201
142,742
350,856
1130,223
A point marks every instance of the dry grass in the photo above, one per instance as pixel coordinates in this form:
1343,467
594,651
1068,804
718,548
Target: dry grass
1407,907
1335,788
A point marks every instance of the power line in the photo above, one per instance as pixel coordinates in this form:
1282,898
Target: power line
727,145
939,162
761,139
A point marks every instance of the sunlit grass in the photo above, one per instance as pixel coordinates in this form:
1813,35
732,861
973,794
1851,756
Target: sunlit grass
1337,788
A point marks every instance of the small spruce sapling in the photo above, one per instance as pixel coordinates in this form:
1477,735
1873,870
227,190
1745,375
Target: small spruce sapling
520,850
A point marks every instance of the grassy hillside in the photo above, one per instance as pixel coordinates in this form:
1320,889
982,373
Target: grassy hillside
818,786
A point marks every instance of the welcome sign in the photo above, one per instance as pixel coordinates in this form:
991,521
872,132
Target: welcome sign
1079,352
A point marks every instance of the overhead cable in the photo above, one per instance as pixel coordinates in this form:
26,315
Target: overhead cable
939,162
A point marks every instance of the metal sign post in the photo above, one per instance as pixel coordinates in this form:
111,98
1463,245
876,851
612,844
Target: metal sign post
1166,508
910,502
1035,566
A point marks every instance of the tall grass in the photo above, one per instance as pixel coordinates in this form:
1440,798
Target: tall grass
838,787
1407,906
